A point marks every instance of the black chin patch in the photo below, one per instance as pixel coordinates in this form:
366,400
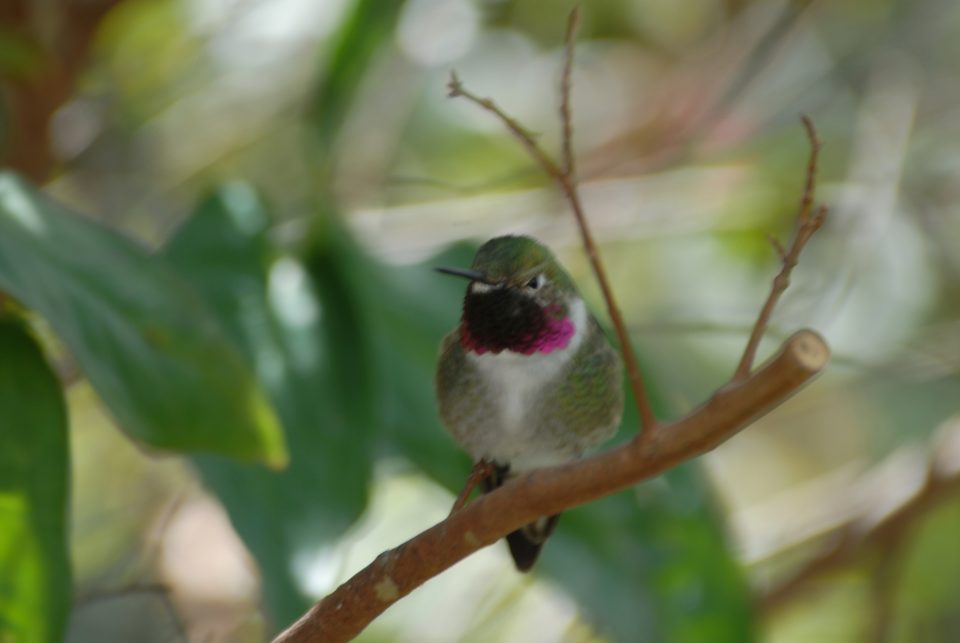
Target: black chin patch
502,319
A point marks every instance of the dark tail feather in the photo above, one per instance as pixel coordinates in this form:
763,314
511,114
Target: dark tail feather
525,543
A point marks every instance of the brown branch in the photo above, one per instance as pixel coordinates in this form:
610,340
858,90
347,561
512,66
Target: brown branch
807,225
864,534
351,607
566,181
455,89
57,38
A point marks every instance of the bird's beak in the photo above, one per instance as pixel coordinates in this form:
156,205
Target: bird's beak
472,275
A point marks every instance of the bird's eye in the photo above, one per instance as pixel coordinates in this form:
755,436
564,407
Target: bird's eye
534,283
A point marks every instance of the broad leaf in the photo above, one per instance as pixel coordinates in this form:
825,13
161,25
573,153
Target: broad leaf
415,307
301,327
364,31
653,560
35,585
150,347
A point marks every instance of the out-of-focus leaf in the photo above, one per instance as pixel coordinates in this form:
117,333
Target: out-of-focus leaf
364,31
306,330
154,353
929,581
416,307
652,560
35,585
301,327
19,56
406,313
907,406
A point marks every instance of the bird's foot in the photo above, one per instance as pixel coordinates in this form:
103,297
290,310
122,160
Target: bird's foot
480,472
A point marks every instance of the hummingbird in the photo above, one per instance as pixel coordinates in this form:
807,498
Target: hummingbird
527,379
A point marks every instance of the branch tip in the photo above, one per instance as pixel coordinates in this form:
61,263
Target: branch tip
454,87
573,24
566,116
809,349
815,143
807,225
777,247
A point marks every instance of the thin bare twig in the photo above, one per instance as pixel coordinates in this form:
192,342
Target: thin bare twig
455,89
647,418
777,247
566,181
807,225
566,116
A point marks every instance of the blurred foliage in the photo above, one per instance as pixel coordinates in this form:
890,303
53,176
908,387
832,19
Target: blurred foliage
296,171
142,338
318,394
34,467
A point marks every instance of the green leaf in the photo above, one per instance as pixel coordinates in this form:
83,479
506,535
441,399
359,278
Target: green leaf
415,307
364,31
908,405
929,581
150,347
653,559
20,57
301,326
35,579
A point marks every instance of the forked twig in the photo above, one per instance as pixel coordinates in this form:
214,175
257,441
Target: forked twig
807,225
565,178
455,89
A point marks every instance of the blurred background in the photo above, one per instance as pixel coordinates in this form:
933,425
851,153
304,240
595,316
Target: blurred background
299,164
